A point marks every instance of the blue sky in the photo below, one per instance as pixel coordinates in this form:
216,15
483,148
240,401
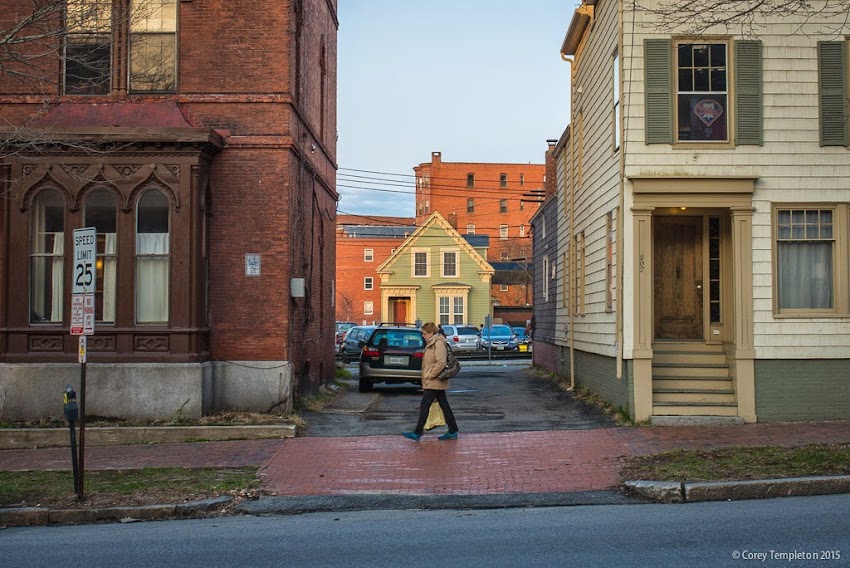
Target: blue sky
479,81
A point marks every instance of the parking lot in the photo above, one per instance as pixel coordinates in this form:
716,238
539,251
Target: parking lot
487,396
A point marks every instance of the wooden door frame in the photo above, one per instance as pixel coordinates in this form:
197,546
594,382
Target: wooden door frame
651,196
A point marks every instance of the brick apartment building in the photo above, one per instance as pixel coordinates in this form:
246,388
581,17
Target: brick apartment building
199,139
493,199
362,245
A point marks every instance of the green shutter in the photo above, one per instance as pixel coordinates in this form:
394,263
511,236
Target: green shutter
748,100
832,90
659,101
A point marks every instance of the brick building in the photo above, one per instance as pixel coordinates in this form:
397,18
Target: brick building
199,139
362,245
482,198
493,199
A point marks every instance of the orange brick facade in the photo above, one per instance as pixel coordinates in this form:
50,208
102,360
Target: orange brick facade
485,198
359,252
260,77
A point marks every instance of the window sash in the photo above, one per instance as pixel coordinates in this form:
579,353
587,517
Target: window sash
805,251
450,264
368,283
420,264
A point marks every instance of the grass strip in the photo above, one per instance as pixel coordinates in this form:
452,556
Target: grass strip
137,486
735,464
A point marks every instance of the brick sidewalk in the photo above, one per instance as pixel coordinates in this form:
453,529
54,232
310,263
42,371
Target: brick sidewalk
480,463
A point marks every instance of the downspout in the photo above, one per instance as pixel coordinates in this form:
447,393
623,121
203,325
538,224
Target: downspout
571,201
621,212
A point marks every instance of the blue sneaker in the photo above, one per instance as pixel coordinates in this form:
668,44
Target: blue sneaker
448,436
414,436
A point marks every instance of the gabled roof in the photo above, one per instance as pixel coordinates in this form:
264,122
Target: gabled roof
439,221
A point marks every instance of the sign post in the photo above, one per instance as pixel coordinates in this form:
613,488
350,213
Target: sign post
82,319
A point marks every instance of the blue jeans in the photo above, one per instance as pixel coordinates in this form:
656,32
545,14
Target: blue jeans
428,396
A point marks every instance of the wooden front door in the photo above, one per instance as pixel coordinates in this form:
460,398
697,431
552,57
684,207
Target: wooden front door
400,311
677,257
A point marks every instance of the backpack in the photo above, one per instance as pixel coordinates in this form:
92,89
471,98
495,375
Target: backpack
452,367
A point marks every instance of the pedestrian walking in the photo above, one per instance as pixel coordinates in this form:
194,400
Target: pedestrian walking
434,361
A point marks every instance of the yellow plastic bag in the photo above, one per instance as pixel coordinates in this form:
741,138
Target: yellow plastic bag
435,416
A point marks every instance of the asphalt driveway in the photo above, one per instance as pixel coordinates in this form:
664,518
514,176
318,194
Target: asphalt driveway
497,397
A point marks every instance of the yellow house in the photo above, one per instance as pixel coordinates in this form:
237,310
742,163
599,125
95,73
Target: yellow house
437,275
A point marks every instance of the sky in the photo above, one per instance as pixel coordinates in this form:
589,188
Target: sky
478,80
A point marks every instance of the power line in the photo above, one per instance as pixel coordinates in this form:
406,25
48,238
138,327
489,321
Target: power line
483,180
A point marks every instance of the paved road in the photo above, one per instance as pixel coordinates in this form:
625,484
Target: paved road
700,535
497,397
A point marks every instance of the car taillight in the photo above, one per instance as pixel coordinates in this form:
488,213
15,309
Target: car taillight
418,355
371,352
456,338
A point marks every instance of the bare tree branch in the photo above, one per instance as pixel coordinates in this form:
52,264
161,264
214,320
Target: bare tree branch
747,17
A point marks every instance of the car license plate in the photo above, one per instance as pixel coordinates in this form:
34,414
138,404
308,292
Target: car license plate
395,360
500,348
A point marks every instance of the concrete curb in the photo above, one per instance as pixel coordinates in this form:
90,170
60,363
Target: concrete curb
299,504
29,516
28,438
679,492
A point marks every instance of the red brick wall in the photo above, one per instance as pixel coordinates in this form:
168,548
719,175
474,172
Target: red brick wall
446,191
351,269
269,87
545,356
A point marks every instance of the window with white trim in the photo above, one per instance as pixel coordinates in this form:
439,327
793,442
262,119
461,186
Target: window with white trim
503,287
368,308
470,229
368,255
451,310
450,268
616,100
420,264
503,232
701,99
368,283
545,278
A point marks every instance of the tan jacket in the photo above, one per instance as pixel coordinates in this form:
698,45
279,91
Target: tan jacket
434,361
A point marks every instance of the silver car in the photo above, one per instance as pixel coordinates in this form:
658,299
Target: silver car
461,337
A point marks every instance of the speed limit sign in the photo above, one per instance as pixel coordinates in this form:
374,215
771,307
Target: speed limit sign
85,255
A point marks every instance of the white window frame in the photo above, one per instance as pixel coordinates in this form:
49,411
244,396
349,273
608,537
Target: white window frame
503,287
368,255
368,283
503,232
444,254
545,278
368,308
413,255
470,229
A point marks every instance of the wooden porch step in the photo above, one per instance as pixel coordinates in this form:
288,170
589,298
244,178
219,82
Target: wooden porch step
690,346
694,409
692,396
688,358
695,372
684,383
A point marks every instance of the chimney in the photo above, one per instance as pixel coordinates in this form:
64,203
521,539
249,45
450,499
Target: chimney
550,187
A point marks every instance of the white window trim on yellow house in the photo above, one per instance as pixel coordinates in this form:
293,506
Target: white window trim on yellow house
449,251
427,253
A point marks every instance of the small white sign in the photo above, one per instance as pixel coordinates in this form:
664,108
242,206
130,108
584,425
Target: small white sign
82,351
252,264
88,314
77,314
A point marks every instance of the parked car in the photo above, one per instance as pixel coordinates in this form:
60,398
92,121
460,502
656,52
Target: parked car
393,354
521,335
352,344
342,328
498,337
461,337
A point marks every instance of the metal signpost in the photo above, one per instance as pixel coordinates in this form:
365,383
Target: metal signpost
82,319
